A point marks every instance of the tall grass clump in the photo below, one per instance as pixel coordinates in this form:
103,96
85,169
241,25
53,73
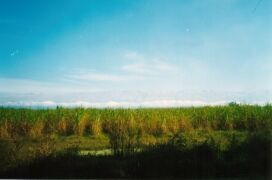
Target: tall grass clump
5,130
37,129
95,127
83,125
124,135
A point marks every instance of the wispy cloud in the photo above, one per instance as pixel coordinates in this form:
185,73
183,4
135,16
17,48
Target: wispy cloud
133,55
154,67
92,76
141,64
97,77
14,85
139,67
13,53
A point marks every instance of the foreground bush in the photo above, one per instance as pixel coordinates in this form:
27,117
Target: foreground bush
199,154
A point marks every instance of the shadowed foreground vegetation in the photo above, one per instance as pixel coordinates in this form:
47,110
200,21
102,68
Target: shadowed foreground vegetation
221,141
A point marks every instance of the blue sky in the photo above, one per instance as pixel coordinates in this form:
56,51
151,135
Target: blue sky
85,50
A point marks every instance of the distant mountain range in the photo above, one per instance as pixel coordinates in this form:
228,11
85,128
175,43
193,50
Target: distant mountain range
135,98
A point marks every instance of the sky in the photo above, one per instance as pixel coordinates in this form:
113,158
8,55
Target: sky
135,53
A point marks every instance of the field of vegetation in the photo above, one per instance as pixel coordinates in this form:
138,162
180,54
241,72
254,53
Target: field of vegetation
219,141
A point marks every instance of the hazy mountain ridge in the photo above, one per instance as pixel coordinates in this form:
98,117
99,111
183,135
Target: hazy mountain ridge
135,98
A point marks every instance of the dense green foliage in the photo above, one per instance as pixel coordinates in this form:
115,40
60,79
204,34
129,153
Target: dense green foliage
80,121
218,141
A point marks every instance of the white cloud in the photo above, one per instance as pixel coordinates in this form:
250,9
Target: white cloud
97,77
163,66
127,104
141,64
133,55
118,98
138,67
123,104
152,68
14,85
91,76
